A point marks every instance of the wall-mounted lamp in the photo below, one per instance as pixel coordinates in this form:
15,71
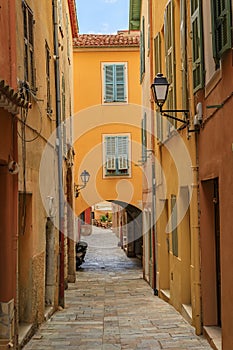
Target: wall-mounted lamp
160,88
85,176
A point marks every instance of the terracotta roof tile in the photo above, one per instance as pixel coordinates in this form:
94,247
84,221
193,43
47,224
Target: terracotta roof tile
107,40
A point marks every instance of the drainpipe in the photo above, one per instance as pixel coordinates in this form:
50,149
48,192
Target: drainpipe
154,236
59,150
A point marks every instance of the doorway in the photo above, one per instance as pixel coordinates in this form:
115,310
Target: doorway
211,252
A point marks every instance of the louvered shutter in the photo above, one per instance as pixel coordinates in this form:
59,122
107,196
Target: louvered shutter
144,138
183,46
120,82
197,45
109,82
110,148
159,125
157,53
157,65
174,225
122,149
169,31
142,50
221,27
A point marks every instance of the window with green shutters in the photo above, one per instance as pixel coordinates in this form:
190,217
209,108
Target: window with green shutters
159,126
157,53
221,27
174,225
63,115
197,44
29,63
116,154
169,32
144,138
157,68
114,82
142,49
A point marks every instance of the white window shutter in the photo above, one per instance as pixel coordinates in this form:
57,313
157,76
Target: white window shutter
123,162
110,152
111,163
123,152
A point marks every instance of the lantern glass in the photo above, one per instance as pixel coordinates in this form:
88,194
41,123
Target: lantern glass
160,89
85,176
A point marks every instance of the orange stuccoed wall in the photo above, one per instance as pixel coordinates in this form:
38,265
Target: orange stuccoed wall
92,120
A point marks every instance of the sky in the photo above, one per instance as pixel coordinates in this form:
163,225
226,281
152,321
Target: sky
102,16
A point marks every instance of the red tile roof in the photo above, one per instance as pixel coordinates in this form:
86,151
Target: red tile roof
122,39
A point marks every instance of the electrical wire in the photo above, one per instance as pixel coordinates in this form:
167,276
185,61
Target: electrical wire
25,122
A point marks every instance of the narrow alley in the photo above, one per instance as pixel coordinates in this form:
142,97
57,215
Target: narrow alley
111,307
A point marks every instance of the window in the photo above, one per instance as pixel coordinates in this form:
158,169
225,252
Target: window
221,27
170,59
68,38
174,225
148,28
142,50
60,17
48,58
159,126
63,115
144,139
29,69
157,67
114,82
157,53
197,45
116,155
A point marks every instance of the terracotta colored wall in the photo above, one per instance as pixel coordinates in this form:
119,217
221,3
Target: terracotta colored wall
8,42
8,210
216,160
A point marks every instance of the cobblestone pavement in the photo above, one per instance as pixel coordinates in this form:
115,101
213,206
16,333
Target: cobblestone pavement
111,307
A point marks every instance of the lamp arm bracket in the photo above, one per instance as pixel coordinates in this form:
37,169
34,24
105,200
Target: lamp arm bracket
186,111
79,187
174,118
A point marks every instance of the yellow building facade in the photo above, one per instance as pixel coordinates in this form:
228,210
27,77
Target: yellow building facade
107,135
170,216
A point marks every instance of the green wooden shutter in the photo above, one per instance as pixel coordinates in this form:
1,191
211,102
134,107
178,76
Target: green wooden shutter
109,82
159,126
110,153
122,150
142,50
119,71
157,53
197,45
169,31
221,27
174,225
114,83
157,67
144,138
183,47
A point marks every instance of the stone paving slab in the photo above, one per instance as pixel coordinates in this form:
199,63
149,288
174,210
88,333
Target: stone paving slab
111,307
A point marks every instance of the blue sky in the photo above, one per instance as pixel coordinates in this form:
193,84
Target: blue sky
102,16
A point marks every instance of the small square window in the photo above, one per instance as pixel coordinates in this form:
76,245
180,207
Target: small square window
114,78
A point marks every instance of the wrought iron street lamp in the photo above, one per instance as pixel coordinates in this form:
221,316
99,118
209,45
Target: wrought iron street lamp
160,88
85,176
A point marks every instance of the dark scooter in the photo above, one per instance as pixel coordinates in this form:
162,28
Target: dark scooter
81,249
